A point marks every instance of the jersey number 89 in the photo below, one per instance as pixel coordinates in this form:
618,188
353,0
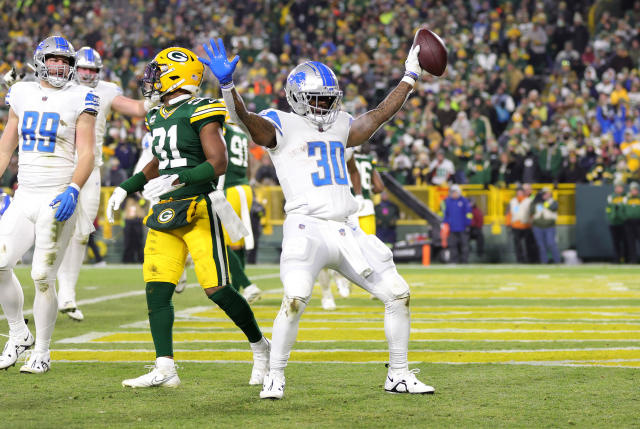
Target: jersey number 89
41,129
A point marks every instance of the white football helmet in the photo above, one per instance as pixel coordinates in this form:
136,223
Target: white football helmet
57,76
309,85
89,58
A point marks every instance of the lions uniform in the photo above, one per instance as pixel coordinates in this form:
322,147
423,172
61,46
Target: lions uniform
176,144
90,192
47,118
309,158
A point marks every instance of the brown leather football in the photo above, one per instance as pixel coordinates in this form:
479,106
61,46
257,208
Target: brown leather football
433,53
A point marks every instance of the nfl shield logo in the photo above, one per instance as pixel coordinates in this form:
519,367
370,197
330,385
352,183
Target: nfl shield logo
341,231
301,226
44,98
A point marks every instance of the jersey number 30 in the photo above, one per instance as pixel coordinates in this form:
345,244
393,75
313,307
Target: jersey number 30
335,151
41,129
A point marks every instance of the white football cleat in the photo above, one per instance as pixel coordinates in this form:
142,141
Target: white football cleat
260,365
273,386
344,286
67,306
182,283
406,382
157,377
252,293
38,363
328,303
14,348
75,315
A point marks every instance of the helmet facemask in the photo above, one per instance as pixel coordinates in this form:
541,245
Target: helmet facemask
89,59
150,79
89,79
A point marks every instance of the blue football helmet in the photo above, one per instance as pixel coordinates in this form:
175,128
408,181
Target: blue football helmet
88,58
313,92
57,76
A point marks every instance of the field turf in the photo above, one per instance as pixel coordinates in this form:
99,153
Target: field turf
504,346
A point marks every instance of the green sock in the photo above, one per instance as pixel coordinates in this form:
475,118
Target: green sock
242,256
239,279
239,311
161,316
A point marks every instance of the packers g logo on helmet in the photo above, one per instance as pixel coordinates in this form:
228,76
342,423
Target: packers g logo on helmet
172,69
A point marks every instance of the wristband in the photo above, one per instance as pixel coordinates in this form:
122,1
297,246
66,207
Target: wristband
74,186
227,86
134,183
410,78
199,174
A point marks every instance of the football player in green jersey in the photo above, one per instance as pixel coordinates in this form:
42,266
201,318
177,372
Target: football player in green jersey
239,194
189,155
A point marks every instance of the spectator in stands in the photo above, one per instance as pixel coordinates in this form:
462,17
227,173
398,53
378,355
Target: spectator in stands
519,219
387,215
457,214
615,216
572,171
266,173
631,213
478,170
441,169
544,212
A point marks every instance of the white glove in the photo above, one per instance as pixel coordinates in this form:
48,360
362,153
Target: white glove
230,220
116,199
151,102
11,77
160,186
361,202
412,66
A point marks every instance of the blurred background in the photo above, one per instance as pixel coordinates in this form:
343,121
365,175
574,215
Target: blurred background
534,123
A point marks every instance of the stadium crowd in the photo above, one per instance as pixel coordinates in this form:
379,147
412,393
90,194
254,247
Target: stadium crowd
535,91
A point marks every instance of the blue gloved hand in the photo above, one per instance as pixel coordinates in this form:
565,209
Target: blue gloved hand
66,203
218,61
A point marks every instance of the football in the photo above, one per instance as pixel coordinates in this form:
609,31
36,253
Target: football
433,53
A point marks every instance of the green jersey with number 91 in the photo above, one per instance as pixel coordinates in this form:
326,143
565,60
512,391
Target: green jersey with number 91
176,138
238,154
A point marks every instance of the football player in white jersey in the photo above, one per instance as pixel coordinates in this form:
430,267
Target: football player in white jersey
52,122
307,148
88,68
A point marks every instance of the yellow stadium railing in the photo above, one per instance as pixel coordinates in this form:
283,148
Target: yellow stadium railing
493,202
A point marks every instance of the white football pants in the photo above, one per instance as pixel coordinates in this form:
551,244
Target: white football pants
88,204
310,244
30,220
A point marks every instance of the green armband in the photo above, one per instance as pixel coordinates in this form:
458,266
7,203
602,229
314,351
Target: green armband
134,183
202,173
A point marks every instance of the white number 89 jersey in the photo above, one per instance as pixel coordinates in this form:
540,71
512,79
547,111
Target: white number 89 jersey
47,130
311,166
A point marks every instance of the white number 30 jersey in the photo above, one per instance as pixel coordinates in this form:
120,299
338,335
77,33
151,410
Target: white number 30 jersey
311,166
47,130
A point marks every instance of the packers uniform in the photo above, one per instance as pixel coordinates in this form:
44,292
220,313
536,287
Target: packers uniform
366,217
176,144
236,183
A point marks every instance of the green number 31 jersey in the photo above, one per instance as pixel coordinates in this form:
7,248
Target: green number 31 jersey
176,138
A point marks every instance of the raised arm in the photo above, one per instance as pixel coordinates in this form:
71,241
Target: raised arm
130,107
261,131
367,124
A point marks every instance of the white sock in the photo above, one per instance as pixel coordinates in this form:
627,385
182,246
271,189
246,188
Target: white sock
12,301
285,331
397,325
165,363
45,312
259,346
70,269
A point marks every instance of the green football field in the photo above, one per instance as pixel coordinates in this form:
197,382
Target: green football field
504,346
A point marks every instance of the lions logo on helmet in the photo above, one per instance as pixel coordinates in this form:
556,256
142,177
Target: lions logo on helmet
56,75
88,58
173,68
312,91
